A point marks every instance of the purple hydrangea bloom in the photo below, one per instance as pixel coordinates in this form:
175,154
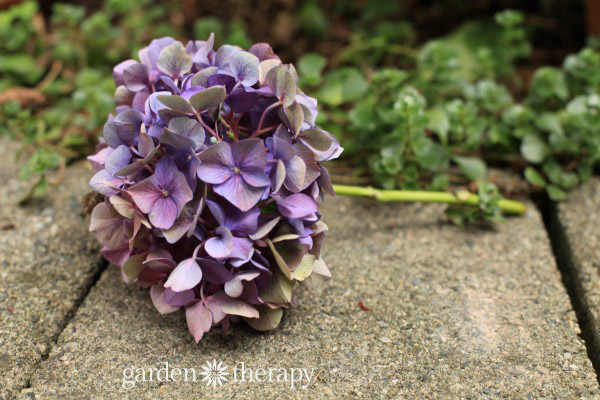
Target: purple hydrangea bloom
211,171
236,171
162,195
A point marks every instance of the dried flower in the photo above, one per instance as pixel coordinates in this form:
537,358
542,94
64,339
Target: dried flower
210,168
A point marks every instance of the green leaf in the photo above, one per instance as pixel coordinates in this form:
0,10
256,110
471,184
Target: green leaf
342,86
533,149
310,67
556,193
549,123
439,123
208,98
473,168
534,177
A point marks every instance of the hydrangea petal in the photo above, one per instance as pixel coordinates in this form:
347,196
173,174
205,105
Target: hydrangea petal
255,177
157,295
249,153
297,205
185,276
199,320
220,246
145,194
239,193
163,213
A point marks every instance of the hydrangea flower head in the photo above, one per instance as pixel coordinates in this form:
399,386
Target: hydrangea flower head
210,167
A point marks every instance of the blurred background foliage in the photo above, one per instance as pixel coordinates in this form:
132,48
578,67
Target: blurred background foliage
423,94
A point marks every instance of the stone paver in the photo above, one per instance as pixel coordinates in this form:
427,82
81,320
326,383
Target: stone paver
47,263
576,224
455,314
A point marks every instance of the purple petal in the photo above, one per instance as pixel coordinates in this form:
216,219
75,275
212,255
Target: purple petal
117,256
242,222
249,153
231,306
278,176
145,194
312,168
309,107
105,183
241,101
282,150
165,171
295,174
239,193
201,49
136,77
234,287
255,177
199,320
179,299
224,55
110,227
217,211
242,251
217,163
118,159
220,246
157,295
185,276
97,160
244,66
179,191
119,69
160,260
155,47
325,181
297,205
221,80
214,272
191,92
163,213
263,51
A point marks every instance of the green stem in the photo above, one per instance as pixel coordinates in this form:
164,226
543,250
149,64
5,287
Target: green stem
461,197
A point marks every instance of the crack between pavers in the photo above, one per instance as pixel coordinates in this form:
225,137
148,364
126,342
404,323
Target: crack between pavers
563,255
93,280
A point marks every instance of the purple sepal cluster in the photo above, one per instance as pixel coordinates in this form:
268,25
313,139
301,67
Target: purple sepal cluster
211,170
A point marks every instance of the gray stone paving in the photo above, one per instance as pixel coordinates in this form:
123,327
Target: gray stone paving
47,263
456,313
576,223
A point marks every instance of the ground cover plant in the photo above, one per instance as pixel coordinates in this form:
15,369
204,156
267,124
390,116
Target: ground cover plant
455,107
433,116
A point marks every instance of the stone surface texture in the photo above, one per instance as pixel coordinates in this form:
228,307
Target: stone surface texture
576,224
47,264
446,312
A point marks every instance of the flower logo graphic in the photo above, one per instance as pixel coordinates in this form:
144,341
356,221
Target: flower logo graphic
214,373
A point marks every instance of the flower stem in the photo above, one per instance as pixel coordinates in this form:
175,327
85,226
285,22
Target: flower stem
206,127
461,197
262,118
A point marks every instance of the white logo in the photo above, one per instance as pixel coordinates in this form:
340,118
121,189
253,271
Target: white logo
214,373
